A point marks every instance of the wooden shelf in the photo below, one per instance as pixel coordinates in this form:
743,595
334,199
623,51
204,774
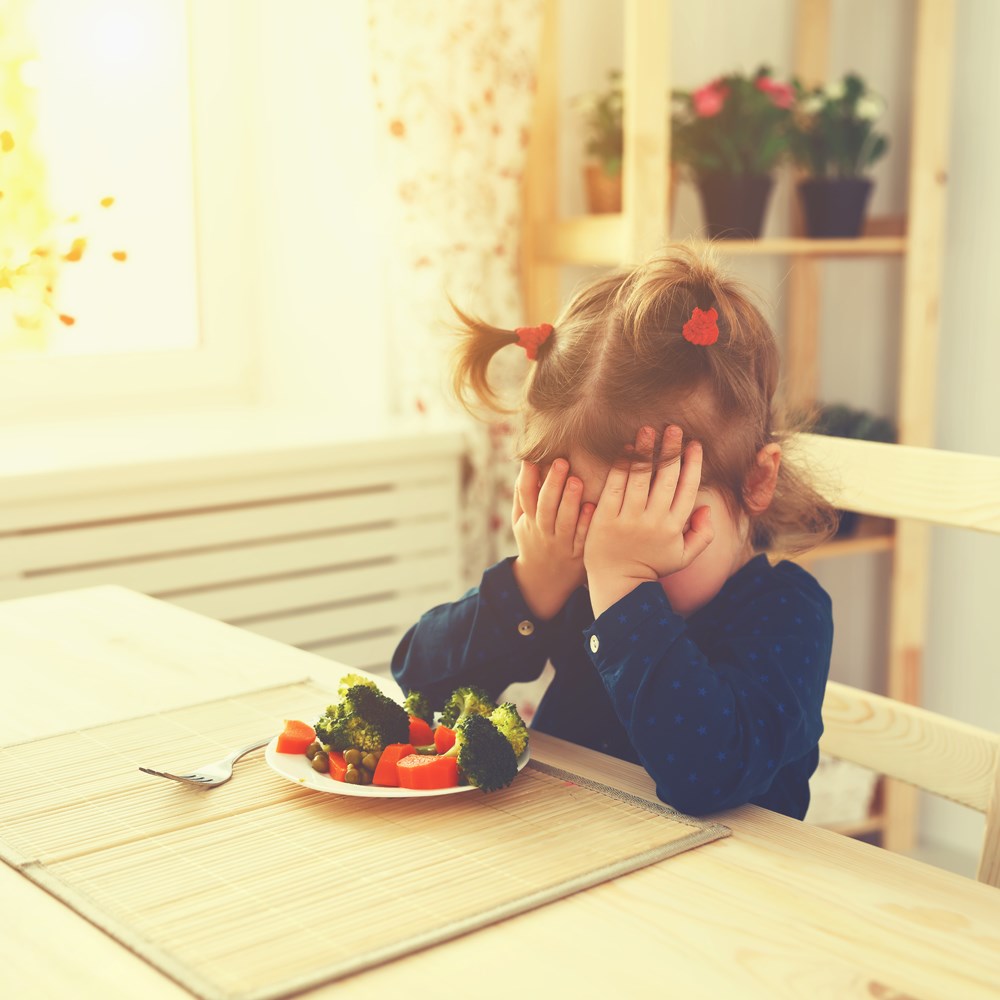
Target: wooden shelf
873,534
601,239
857,544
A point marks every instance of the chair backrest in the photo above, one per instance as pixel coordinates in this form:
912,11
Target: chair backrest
949,758
941,755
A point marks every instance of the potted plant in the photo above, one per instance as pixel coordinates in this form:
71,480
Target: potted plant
602,173
602,116
730,134
835,142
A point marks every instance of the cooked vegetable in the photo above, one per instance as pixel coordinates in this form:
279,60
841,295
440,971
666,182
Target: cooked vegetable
485,757
320,762
420,731
444,739
365,719
419,772
508,720
351,680
466,701
295,737
337,765
417,704
386,773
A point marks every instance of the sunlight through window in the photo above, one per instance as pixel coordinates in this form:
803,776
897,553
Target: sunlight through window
97,231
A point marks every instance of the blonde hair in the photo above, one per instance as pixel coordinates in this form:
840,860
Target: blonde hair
618,360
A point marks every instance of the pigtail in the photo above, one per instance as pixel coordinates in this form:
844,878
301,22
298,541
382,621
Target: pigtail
478,342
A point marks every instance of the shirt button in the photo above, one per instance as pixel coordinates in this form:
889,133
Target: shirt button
595,644
526,627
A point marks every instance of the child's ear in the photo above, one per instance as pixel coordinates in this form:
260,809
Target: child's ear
763,478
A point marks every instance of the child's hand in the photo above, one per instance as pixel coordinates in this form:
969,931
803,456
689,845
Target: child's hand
550,526
642,532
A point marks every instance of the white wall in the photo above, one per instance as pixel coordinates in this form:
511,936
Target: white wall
962,676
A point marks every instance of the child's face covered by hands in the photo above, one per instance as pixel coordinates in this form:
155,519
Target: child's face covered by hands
663,526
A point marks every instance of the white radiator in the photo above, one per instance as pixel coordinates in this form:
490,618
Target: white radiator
334,548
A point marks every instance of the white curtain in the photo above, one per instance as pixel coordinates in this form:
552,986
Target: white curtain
454,83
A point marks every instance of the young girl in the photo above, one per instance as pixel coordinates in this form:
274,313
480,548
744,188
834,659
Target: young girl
651,479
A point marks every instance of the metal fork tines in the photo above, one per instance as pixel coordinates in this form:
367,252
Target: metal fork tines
211,775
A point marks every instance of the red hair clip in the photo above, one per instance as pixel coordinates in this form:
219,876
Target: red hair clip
532,337
702,328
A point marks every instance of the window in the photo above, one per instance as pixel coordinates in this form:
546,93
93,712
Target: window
119,270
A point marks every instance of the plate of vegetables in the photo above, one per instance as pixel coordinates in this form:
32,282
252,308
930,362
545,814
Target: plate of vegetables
367,744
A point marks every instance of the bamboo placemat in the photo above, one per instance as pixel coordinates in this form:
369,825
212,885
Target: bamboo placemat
261,888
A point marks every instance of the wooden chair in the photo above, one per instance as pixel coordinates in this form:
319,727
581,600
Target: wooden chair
903,741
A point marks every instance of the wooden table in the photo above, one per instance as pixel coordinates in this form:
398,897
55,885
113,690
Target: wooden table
780,908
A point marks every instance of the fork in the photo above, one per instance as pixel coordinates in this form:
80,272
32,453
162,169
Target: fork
211,775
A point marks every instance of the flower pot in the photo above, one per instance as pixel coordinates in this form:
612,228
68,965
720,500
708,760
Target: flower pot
734,204
604,191
835,206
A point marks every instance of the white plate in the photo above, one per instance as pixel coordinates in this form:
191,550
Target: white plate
298,768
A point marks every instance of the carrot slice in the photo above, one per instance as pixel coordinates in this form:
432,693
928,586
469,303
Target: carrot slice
420,772
385,771
444,739
338,766
420,732
295,737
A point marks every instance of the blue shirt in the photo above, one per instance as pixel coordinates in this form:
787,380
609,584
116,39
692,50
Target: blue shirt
721,708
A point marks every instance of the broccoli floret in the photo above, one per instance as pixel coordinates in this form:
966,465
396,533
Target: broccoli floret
508,720
485,757
365,718
417,704
463,702
351,680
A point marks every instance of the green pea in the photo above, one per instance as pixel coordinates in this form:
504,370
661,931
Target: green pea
321,762
312,749
370,762
353,756
353,775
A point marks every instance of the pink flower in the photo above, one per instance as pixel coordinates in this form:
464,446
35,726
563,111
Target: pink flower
781,94
708,101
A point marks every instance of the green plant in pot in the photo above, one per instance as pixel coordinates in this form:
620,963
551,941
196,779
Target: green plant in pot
602,114
729,135
835,142
840,420
602,118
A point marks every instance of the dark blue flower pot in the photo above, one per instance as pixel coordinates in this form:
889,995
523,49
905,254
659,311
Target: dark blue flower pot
834,207
734,204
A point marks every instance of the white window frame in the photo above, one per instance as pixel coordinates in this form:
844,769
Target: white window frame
223,368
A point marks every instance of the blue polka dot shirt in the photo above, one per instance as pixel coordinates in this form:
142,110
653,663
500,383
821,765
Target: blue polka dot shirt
721,708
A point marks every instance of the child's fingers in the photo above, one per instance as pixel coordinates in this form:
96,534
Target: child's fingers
609,503
688,481
665,484
550,494
526,488
569,508
640,472
583,526
699,535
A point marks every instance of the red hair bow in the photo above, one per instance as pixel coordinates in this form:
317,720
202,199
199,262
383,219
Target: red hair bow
532,337
702,328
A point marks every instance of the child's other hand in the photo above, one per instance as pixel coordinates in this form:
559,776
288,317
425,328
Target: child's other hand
646,528
550,526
